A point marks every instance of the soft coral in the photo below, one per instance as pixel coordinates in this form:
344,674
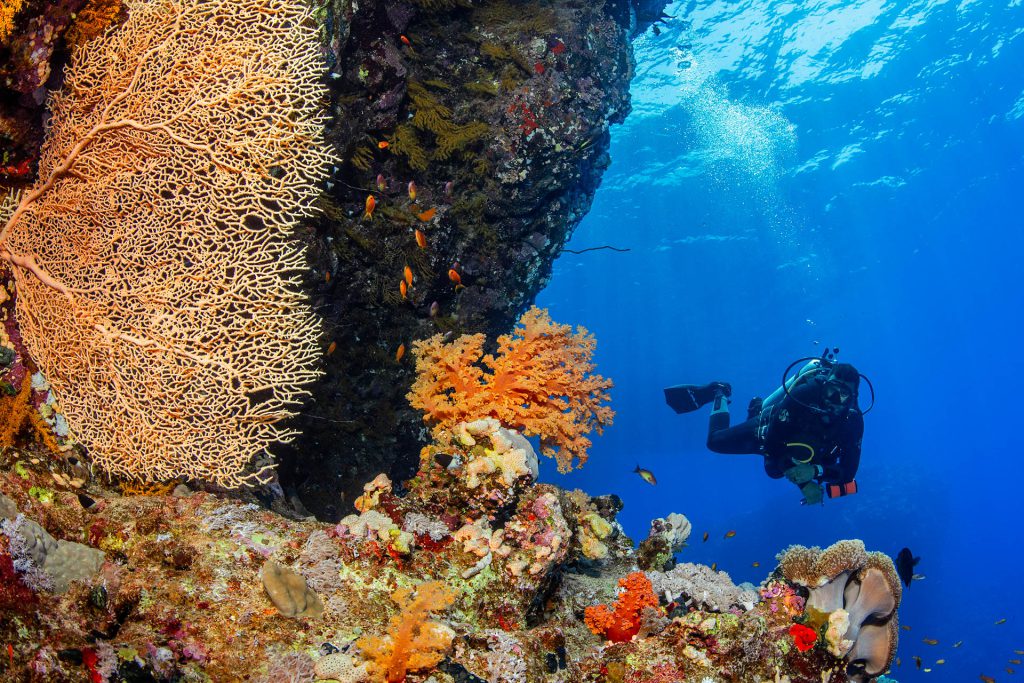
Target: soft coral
622,621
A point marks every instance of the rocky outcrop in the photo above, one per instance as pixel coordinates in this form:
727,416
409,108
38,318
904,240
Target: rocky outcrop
481,132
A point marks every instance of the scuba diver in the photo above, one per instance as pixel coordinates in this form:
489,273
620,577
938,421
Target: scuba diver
809,431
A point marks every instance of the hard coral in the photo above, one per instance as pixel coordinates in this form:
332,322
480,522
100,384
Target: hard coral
539,382
622,621
413,642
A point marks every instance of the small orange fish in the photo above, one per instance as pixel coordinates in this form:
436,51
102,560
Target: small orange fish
706,536
714,566
427,215
405,41
383,144
1009,670
1015,661
646,475
327,276
371,204
421,239
403,288
730,534
929,641
331,347
412,190
454,276
400,352
987,679
408,275
1018,652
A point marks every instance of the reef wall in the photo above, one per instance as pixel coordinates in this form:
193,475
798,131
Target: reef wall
480,130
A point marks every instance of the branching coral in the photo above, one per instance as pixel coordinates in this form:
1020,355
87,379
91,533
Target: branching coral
539,382
413,641
622,621
157,286
8,11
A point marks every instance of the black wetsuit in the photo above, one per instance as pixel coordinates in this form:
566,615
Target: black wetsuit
792,432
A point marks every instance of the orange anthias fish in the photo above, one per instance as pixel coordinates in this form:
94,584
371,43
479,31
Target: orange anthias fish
987,679
454,276
371,204
427,215
383,144
405,41
400,352
403,288
331,347
421,239
730,534
408,275
706,536
646,475
412,190
381,183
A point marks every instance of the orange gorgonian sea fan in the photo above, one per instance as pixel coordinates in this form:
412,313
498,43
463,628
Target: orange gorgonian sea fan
157,278
539,382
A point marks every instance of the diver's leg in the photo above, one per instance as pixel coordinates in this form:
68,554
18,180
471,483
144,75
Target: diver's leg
736,440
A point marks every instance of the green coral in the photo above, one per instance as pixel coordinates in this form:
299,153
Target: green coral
43,495
458,138
406,143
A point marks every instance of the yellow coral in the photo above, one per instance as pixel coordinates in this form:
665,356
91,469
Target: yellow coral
13,411
539,382
8,11
92,20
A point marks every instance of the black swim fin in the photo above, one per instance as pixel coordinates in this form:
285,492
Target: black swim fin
686,398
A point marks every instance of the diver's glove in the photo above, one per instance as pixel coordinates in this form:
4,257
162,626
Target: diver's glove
801,473
812,493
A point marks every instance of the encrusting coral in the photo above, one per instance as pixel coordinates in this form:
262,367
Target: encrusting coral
157,289
540,381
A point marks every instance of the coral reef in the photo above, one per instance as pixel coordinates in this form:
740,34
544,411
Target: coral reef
465,572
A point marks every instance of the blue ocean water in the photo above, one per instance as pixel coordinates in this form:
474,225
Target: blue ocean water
797,175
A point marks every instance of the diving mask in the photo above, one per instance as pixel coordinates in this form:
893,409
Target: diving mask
837,393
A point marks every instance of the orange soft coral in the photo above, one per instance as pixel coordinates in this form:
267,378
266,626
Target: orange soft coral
622,621
413,642
539,382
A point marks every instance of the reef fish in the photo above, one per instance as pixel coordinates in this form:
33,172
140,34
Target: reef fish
917,661
904,627
1015,661
730,533
412,190
706,535
331,347
454,276
421,239
929,641
958,643
987,679
434,308
905,563
400,352
755,564
646,475
371,204
405,41
383,144
1001,621
427,215
408,275
403,288
381,183
714,566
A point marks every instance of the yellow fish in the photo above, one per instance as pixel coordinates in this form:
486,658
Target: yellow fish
730,533
412,190
714,566
646,475
987,679
929,641
940,661
756,564
371,204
